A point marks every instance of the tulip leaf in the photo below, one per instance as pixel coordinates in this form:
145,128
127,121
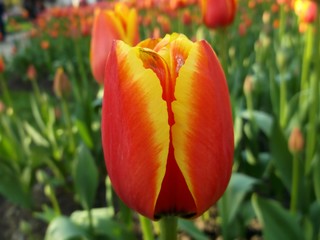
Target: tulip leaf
37,115
12,187
63,228
316,177
103,224
263,120
85,176
314,214
8,150
35,135
84,133
280,155
239,185
191,229
278,223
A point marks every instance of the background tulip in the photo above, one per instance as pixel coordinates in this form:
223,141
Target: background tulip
108,25
166,126
218,13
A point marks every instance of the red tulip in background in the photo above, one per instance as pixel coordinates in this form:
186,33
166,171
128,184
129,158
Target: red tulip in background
218,13
167,128
108,25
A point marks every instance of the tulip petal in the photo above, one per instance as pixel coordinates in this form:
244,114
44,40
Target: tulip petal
105,29
132,28
203,131
135,130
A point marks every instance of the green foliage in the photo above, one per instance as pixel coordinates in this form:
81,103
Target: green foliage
85,176
278,222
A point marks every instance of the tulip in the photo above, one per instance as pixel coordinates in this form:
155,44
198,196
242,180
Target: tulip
31,72
61,84
122,23
296,140
167,129
2,65
218,13
306,10
44,44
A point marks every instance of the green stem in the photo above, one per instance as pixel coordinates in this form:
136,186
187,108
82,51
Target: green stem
283,100
282,24
313,110
295,184
5,91
52,196
273,90
36,91
91,229
307,56
224,215
69,125
168,228
146,228
224,51
125,214
81,67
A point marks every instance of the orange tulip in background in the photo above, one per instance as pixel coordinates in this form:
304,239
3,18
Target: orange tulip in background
218,13
167,128
108,25
61,84
2,65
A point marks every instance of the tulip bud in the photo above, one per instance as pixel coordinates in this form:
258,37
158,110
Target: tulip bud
266,16
248,84
61,84
45,44
281,59
296,140
42,176
2,107
31,73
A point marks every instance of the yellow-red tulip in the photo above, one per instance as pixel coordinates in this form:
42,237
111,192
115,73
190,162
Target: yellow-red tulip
167,128
108,25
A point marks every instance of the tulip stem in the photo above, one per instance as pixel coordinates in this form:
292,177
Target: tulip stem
295,184
314,104
307,56
146,227
5,91
168,228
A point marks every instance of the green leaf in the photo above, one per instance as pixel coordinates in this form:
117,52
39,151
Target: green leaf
103,224
314,214
278,223
35,135
37,115
280,155
12,187
263,120
191,229
7,149
316,177
63,228
85,176
239,185
84,133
